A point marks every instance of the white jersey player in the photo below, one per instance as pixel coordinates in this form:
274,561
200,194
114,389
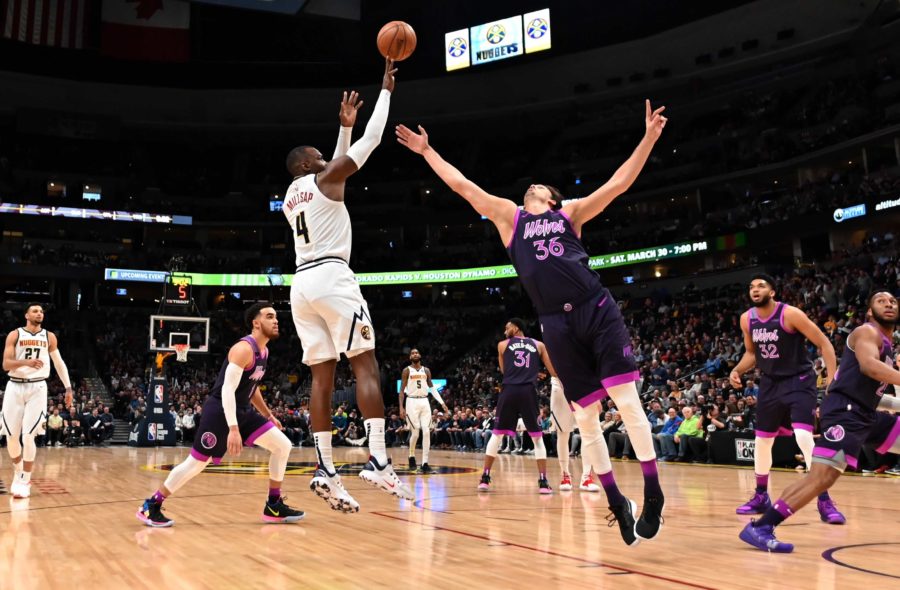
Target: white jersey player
415,386
330,314
564,423
27,357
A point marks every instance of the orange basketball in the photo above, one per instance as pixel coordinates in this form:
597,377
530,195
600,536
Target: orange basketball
396,40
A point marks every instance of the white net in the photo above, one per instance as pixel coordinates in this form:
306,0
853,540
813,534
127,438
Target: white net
181,352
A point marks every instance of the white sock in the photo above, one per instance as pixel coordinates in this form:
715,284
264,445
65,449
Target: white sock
323,451
25,476
375,432
762,457
806,442
562,450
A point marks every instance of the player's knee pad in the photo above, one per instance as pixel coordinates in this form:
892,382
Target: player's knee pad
29,449
540,451
762,455
494,445
184,472
639,432
807,443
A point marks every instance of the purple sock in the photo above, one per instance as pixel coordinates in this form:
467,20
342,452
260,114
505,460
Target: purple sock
824,496
651,479
274,494
158,497
762,483
608,481
775,515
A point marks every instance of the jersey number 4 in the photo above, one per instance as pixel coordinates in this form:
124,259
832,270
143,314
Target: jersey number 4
302,229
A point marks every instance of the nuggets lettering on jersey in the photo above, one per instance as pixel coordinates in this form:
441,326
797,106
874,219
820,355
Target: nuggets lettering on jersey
32,346
321,227
417,382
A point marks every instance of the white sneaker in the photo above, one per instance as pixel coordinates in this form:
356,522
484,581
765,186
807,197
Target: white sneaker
330,489
565,484
385,478
588,485
20,490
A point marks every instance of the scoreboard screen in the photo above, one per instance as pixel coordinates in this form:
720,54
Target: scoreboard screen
499,39
178,292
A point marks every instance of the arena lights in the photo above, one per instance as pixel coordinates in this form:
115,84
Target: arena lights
412,277
82,213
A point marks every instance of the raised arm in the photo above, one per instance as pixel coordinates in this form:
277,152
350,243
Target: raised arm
797,320
867,345
331,179
349,106
583,210
500,211
748,360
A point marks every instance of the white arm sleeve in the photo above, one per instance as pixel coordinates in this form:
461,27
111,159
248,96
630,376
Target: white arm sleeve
233,374
61,368
360,151
343,142
437,396
889,403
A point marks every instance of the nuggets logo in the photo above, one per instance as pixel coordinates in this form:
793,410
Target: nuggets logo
208,440
835,433
158,394
365,332
457,47
537,28
496,34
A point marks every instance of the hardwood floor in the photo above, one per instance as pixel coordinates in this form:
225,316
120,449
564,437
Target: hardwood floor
79,529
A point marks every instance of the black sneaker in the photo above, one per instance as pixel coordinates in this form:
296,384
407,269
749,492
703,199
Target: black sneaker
544,486
412,463
485,484
279,512
151,515
426,469
651,520
624,515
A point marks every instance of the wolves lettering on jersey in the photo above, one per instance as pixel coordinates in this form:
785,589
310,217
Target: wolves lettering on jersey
521,361
32,346
417,382
779,353
321,227
250,377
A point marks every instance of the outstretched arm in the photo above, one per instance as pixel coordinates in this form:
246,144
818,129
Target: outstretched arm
583,210
500,211
349,106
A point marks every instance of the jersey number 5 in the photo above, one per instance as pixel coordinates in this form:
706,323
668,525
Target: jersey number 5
302,230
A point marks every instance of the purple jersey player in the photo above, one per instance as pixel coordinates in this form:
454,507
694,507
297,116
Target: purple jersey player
235,414
775,336
581,323
852,416
520,360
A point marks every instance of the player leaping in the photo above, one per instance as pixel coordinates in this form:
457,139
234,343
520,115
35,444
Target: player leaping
583,328
26,357
415,386
329,311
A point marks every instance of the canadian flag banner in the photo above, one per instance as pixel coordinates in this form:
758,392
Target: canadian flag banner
151,30
53,23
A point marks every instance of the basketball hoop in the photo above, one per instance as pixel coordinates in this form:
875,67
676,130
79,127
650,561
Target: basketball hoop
181,352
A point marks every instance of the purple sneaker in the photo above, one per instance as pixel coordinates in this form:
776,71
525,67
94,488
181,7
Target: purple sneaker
829,513
758,504
763,537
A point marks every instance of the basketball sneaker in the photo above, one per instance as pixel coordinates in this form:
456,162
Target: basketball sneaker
412,463
588,485
279,512
329,488
544,486
565,484
829,513
763,537
425,469
20,489
651,519
485,484
150,513
758,504
385,478
624,516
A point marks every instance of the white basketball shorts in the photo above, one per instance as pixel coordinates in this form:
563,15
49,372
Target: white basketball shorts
330,314
24,408
418,413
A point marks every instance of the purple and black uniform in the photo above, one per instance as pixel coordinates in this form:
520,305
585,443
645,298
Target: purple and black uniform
211,440
850,418
518,396
582,326
787,390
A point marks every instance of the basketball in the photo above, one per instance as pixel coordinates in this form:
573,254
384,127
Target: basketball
396,40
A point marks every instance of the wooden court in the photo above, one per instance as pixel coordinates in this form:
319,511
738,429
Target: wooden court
79,529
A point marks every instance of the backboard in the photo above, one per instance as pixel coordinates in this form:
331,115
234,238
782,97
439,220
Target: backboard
167,331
